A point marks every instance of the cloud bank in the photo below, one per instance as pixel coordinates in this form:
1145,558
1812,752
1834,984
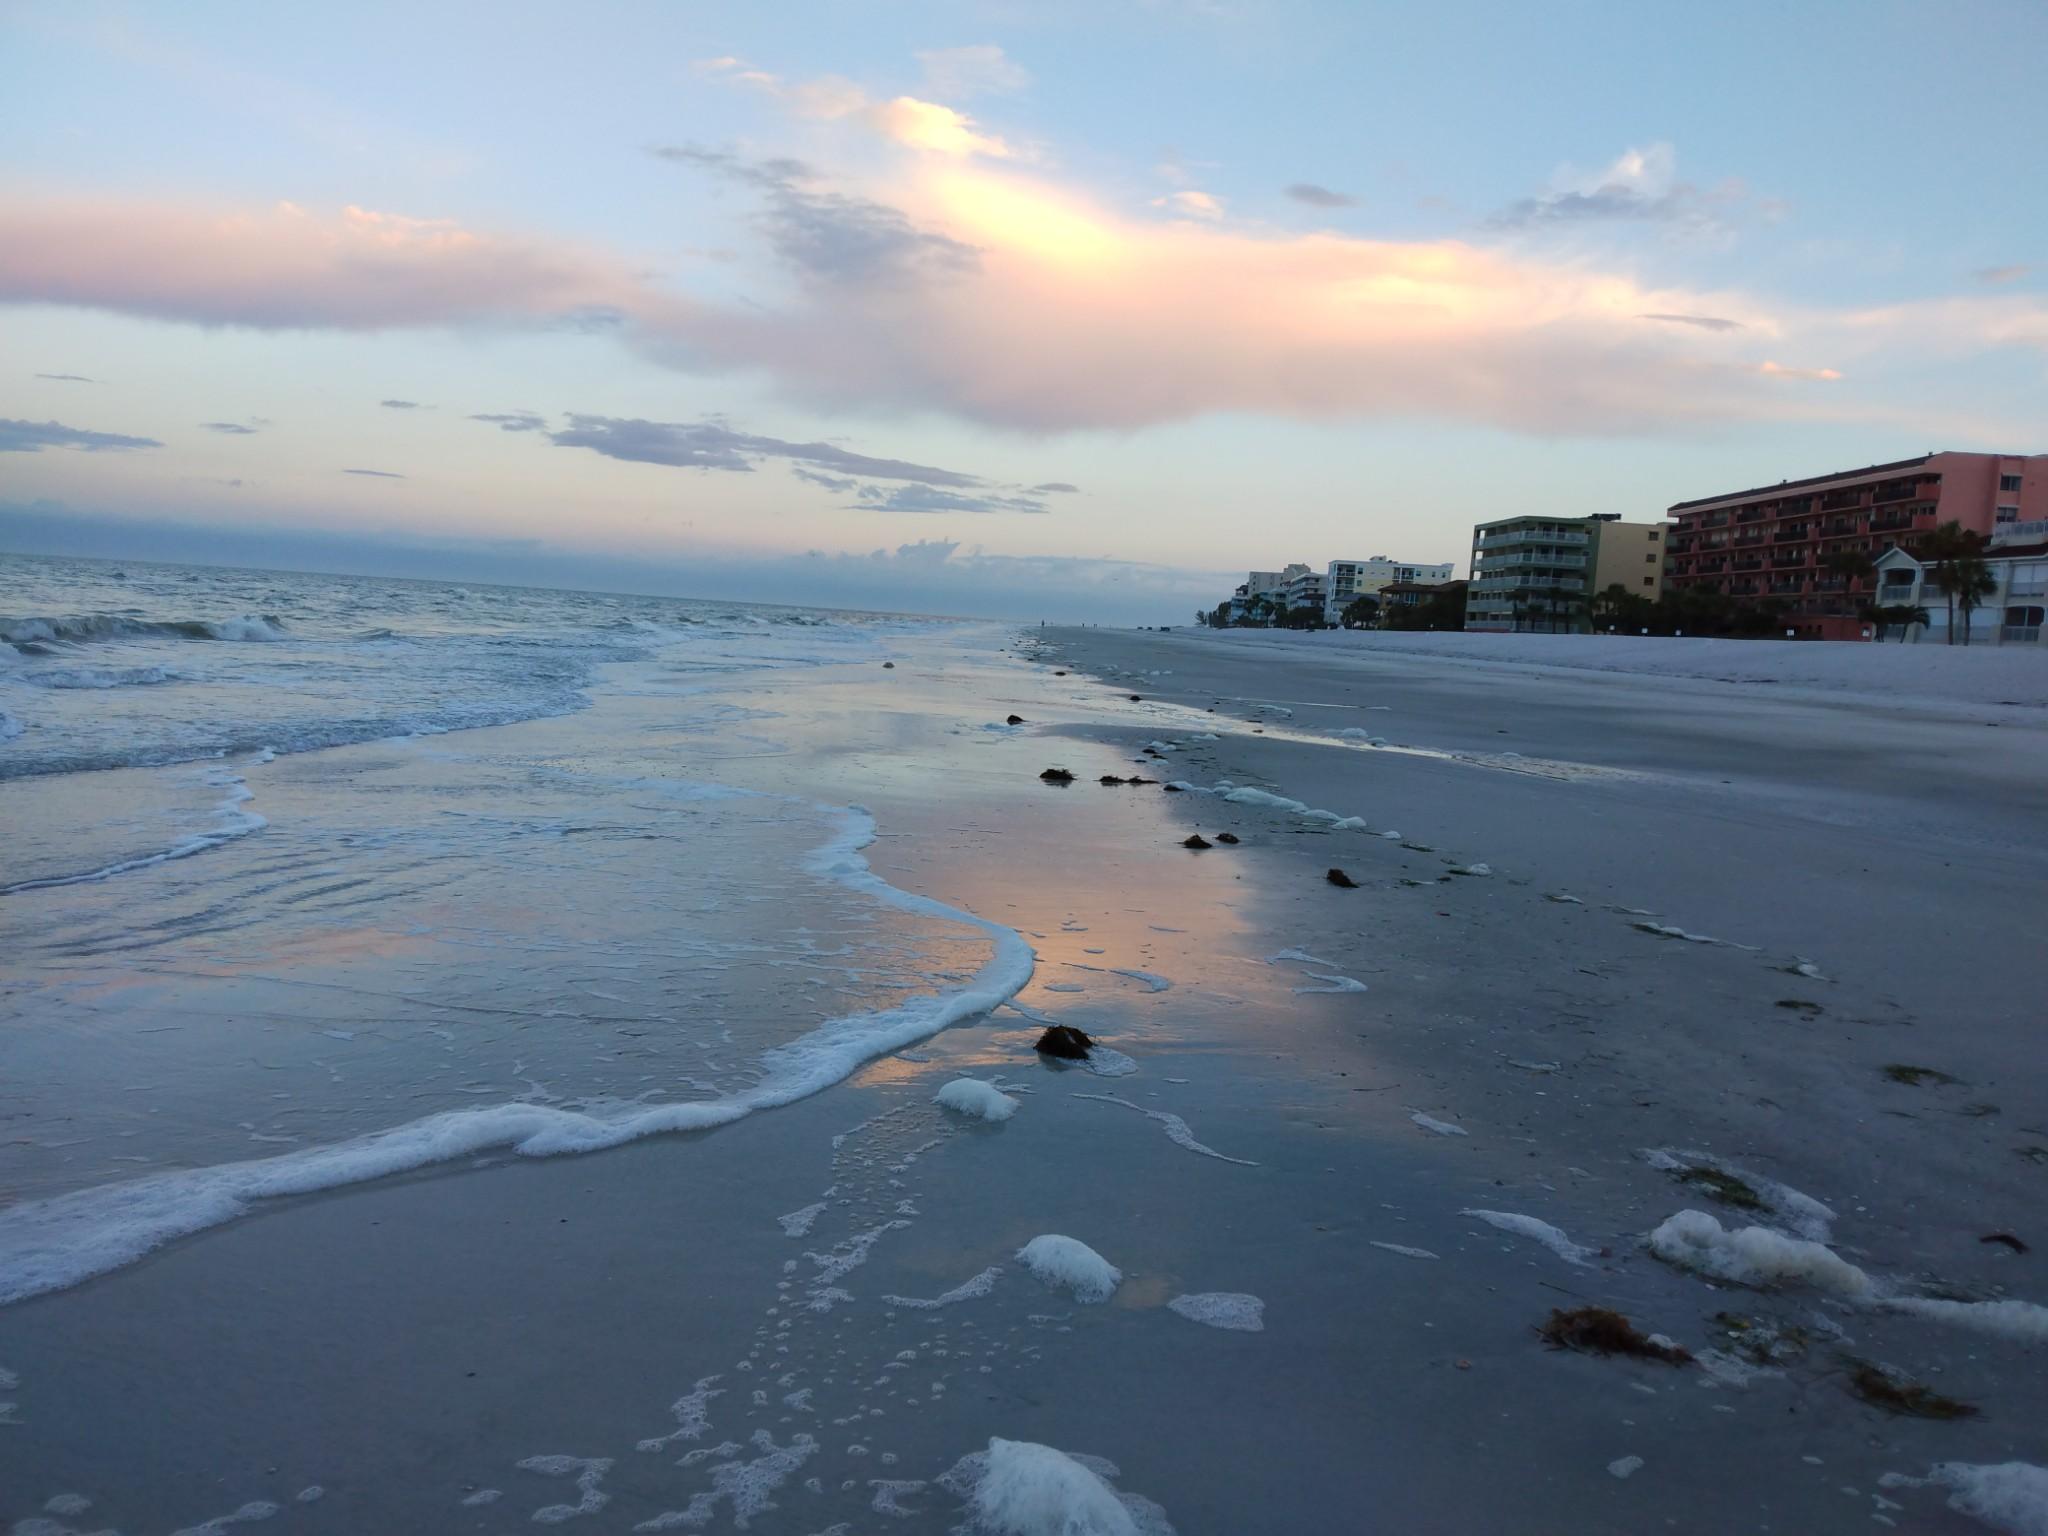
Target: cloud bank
35,436
966,288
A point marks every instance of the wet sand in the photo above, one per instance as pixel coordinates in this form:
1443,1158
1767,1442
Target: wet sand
404,1346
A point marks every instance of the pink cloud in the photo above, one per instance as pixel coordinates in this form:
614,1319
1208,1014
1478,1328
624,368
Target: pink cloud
1057,314
285,267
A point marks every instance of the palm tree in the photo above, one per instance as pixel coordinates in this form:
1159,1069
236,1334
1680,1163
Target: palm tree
1849,563
1966,581
1940,545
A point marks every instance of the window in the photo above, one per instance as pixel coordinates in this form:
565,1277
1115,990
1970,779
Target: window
2008,514
1649,581
1653,535
2022,624
2008,482
1649,559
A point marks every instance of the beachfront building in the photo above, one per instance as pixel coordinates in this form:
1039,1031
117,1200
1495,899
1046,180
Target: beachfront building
1346,580
1797,542
1245,604
1422,605
1306,591
1537,573
2010,614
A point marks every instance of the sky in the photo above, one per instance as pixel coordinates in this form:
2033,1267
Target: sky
1027,308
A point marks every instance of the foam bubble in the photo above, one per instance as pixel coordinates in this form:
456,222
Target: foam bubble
973,1097
1753,1255
1233,1310
1539,1231
1071,1263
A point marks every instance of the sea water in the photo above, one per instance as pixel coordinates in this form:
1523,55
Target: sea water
306,880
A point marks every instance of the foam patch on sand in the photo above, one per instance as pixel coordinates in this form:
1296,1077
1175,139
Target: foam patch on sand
2021,1320
1753,1255
2009,1496
1435,1126
799,1223
1177,1129
1806,1216
1272,802
1404,1251
970,1096
1332,982
1069,1262
1017,1488
46,1245
1232,1310
967,1290
1538,1231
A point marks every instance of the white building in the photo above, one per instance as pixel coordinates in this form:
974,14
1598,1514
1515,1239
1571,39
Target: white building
1307,589
1348,579
1267,584
2010,615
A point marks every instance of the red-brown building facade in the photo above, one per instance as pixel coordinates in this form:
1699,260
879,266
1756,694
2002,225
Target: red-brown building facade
1774,541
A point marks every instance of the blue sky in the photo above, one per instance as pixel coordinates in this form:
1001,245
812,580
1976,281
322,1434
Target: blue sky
753,287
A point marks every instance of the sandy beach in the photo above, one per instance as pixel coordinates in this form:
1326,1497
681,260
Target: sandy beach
1616,947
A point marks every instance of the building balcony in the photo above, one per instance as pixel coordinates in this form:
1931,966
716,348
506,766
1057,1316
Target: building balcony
1836,501
1527,536
1751,564
1799,535
1888,522
1490,563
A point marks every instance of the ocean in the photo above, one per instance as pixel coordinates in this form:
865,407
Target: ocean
307,880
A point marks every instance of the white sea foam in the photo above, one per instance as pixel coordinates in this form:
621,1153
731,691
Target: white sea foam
248,1514
1072,1263
588,1471
1753,1255
798,1223
1231,1310
10,727
1435,1126
1539,1231
1403,1250
48,1244
1272,802
1331,983
2009,1496
968,1290
1300,956
1177,1129
231,821
1016,1488
971,1096
1806,1216
2024,1321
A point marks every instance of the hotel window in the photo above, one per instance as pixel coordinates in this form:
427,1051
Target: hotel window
1649,559
2008,514
1649,581
2008,482
1653,535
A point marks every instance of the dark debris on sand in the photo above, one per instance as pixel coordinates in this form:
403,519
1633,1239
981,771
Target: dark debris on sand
1338,878
1065,1042
1196,840
1896,1394
1226,837
1014,720
1057,776
1603,1331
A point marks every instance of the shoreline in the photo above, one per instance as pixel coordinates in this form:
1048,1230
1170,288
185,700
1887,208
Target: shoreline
560,1307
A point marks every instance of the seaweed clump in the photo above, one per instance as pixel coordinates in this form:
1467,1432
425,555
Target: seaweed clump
1913,1077
1338,878
1196,840
1065,1042
1057,776
1603,1331
1722,1185
1898,1395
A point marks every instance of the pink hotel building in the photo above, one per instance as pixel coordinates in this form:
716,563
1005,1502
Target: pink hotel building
1772,541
